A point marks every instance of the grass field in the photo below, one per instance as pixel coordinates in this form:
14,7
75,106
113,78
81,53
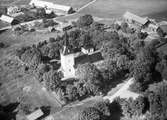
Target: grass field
73,3
116,8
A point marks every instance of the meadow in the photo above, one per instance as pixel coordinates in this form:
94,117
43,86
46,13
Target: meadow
116,8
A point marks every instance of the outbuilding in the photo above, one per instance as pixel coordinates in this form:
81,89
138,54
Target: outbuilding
52,6
35,115
134,19
8,19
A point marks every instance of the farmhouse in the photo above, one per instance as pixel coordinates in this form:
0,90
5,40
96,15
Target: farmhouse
134,19
52,6
70,61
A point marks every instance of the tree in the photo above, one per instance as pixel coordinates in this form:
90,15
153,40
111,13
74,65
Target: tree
52,80
89,73
43,68
160,32
89,113
123,62
32,56
157,96
85,20
144,68
2,45
132,108
164,73
72,92
103,107
124,26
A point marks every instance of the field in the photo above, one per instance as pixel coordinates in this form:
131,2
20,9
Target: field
116,8
73,3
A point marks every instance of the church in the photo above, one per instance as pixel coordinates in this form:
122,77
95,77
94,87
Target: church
70,61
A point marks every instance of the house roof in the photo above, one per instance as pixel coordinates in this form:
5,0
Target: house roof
6,18
136,18
164,28
44,3
35,115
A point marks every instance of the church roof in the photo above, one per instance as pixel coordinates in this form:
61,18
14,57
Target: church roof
85,58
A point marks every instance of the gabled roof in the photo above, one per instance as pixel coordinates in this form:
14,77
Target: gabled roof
6,18
35,115
44,3
136,18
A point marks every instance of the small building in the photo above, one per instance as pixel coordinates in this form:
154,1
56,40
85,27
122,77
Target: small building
134,19
151,28
7,19
52,6
87,49
35,115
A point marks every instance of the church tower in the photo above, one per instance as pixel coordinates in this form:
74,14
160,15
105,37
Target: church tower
67,59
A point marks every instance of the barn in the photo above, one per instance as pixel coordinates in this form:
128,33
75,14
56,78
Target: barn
52,6
134,19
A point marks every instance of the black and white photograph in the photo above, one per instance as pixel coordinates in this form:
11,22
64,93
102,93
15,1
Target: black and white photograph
83,59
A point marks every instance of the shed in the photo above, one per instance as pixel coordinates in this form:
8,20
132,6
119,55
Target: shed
87,49
6,18
35,115
51,5
132,17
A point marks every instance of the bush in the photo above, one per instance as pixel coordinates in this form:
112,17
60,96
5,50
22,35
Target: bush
72,92
85,20
124,27
135,107
52,80
157,96
2,45
90,113
103,107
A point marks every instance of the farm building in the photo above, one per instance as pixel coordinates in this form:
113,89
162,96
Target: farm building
151,28
134,19
35,115
8,19
52,6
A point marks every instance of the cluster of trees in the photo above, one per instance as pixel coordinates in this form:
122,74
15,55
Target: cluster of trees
99,111
37,13
150,106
